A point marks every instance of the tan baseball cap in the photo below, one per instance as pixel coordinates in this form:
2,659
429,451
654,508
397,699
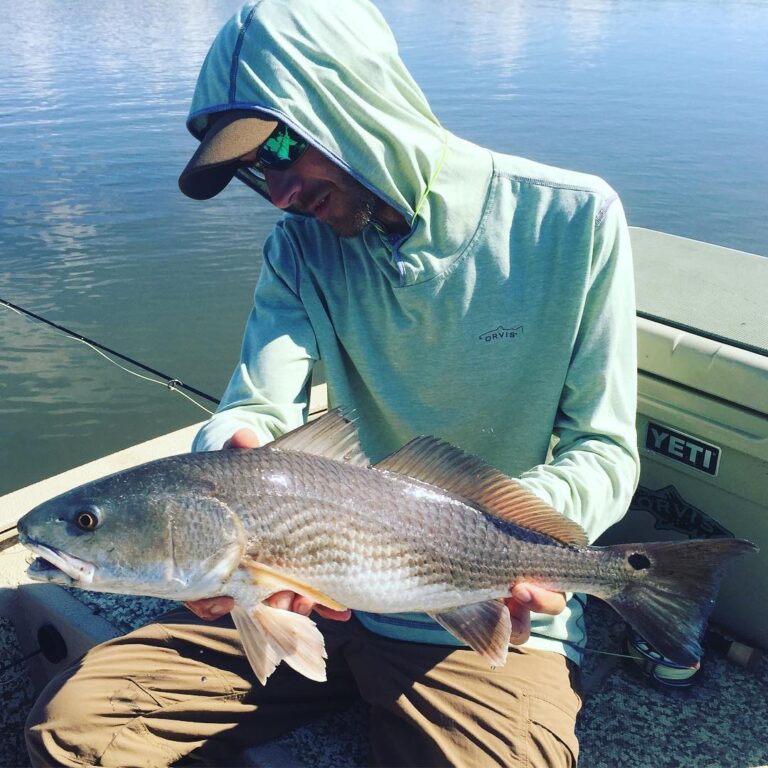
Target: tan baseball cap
232,134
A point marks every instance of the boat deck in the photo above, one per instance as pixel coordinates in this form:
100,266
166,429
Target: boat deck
720,722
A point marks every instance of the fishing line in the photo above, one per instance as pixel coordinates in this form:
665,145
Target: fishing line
584,648
170,382
10,541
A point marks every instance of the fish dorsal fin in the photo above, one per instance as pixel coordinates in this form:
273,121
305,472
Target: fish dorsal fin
439,463
333,436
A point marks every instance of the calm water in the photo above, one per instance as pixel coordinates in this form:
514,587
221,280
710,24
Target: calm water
667,99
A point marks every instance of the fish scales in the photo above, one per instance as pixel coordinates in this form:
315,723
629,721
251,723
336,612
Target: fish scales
304,513
328,523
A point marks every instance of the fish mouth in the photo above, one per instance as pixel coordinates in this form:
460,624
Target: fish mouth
55,566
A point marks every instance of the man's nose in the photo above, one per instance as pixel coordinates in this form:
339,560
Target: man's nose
284,187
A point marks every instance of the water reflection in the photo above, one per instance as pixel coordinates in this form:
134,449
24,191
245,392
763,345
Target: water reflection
666,100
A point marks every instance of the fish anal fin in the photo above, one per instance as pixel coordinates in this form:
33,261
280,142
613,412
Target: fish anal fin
270,581
271,635
333,436
484,627
441,464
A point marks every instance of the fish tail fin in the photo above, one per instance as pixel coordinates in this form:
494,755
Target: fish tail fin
271,635
671,591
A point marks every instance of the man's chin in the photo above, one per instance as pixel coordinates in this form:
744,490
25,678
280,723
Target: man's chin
346,231
357,216
351,227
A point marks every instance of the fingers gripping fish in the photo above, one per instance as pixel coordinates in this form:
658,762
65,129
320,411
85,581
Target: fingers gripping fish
429,528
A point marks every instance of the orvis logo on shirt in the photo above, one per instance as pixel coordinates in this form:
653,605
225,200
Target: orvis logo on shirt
501,334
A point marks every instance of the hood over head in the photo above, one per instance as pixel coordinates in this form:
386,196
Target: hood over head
332,72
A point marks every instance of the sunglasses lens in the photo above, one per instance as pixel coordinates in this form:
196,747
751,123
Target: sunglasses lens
281,149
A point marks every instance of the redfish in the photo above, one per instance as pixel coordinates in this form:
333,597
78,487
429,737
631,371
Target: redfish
429,529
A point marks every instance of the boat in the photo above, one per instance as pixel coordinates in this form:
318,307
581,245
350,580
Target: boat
702,430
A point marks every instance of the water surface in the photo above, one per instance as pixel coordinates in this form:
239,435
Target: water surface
666,100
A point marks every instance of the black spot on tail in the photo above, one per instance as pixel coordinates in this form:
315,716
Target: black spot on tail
639,561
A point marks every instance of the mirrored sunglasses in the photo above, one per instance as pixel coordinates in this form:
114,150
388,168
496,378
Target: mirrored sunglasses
281,150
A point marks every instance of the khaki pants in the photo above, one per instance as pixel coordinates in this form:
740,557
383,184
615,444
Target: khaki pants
182,689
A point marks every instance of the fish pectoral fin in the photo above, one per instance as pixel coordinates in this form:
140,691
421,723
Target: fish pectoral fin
271,581
271,635
484,627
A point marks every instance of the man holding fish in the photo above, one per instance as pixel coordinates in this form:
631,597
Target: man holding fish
448,290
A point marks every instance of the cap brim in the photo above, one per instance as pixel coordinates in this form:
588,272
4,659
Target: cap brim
213,165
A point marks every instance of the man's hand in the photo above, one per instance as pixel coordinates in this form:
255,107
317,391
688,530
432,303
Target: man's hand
211,608
290,601
243,438
527,598
215,607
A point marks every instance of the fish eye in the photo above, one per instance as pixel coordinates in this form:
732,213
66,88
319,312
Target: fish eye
88,518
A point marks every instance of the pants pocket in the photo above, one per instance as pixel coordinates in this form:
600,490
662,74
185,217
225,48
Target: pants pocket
552,741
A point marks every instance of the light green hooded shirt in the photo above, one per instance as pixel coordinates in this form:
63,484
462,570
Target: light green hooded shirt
502,322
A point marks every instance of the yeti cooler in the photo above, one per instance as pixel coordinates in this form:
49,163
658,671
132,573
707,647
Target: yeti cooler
702,422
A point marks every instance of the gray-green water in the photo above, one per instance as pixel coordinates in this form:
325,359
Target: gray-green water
667,99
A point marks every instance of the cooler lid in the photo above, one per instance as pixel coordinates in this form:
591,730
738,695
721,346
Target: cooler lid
715,292
703,316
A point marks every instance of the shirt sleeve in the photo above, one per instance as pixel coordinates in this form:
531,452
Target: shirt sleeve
269,389
595,465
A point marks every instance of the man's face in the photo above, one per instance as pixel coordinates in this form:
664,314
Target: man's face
315,186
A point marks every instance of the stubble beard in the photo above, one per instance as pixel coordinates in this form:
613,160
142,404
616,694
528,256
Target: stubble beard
362,212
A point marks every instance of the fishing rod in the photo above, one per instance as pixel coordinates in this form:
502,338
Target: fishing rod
171,382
